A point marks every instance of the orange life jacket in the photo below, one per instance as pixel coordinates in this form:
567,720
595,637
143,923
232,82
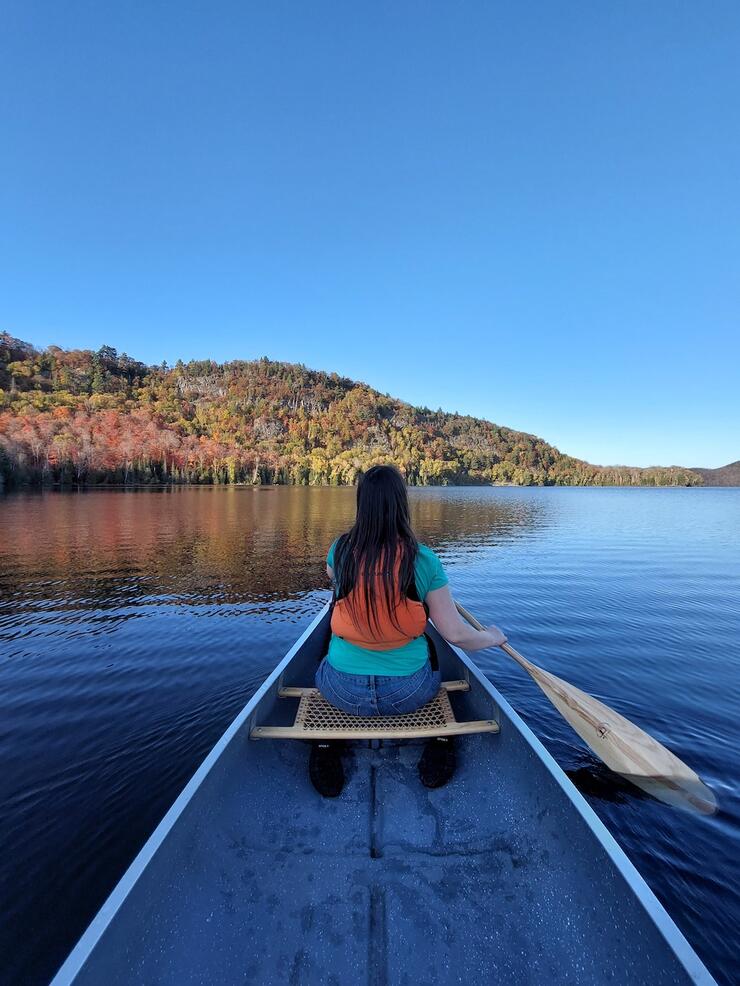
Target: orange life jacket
408,615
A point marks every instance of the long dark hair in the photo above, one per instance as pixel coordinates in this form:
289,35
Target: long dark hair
371,549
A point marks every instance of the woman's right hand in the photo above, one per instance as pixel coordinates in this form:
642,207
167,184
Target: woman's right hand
497,635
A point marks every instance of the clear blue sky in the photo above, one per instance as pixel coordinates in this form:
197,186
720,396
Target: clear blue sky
524,211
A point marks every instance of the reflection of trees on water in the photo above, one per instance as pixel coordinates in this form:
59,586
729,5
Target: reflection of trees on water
201,545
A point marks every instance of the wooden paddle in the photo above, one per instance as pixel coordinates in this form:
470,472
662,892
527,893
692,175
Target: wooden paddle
622,745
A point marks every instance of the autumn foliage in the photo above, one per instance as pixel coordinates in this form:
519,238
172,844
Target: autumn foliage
82,417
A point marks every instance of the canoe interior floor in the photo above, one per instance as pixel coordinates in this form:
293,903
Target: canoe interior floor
389,884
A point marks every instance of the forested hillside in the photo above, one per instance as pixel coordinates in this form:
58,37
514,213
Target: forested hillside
76,416
728,475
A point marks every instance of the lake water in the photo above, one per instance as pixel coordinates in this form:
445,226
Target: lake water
135,624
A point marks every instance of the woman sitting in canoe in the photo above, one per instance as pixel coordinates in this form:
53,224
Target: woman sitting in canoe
379,662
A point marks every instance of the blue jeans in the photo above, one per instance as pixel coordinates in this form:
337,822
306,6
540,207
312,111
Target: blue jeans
377,695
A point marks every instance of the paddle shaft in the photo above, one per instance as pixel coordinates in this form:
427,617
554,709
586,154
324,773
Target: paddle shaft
547,682
477,625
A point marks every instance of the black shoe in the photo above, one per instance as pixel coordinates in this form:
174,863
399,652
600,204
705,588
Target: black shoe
438,761
325,768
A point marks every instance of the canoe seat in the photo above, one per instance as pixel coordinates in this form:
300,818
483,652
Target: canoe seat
317,719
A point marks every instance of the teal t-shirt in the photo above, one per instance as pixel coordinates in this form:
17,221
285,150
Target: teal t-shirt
408,659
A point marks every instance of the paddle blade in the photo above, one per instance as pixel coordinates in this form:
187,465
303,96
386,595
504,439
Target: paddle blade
625,748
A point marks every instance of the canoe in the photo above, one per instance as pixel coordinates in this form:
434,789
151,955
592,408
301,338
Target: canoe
505,874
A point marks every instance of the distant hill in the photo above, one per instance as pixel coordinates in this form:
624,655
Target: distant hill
77,416
728,475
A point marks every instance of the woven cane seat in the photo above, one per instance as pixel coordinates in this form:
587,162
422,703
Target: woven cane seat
317,719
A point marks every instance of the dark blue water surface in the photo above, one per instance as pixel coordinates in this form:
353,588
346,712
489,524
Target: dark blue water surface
135,624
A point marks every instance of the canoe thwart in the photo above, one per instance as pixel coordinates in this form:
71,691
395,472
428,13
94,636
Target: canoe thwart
297,692
317,719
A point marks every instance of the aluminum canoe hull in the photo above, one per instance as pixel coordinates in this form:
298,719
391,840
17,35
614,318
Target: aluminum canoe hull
506,872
